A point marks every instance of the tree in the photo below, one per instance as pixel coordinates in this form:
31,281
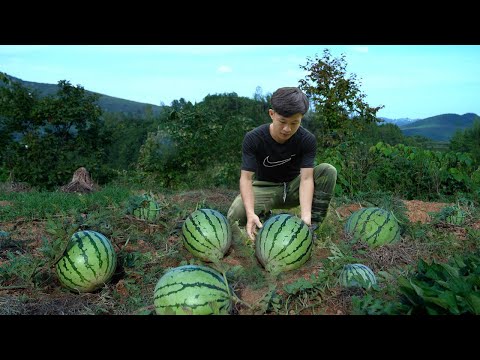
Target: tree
339,106
467,140
52,136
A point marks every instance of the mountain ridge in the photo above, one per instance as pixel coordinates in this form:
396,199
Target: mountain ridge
439,127
106,102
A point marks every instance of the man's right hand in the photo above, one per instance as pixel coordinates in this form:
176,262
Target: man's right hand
252,223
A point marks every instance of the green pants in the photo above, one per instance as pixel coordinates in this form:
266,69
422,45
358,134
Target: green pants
270,195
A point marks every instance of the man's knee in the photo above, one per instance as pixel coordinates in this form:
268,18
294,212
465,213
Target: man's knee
237,213
326,170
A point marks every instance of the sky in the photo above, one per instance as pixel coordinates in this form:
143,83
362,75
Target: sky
410,81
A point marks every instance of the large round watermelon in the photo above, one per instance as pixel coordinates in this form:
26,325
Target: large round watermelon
283,243
374,226
148,210
357,275
192,290
207,234
88,262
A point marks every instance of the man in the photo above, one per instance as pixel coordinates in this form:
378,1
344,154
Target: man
281,155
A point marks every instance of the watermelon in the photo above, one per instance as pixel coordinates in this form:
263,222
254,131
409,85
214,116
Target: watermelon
283,243
374,226
149,209
455,216
192,290
207,234
357,275
88,262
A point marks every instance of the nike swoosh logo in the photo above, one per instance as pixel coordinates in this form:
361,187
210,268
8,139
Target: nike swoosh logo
268,163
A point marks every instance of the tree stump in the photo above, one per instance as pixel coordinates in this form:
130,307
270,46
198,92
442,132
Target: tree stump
81,182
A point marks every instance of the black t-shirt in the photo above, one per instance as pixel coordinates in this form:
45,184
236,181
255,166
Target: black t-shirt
276,162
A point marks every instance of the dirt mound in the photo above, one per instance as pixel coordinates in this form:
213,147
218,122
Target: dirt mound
418,211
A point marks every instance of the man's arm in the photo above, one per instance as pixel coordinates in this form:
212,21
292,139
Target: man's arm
306,194
246,190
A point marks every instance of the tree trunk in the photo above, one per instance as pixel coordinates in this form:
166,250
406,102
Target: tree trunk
81,182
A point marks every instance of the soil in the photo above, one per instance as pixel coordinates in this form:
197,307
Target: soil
419,211
27,237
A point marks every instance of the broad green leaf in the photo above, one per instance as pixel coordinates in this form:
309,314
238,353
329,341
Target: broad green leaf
474,301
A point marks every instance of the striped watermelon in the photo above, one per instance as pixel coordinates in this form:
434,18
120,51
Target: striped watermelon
374,226
149,209
455,216
357,275
88,262
283,243
207,234
192,290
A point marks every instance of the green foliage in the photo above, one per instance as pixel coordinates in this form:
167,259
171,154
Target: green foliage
467,141
339,105
371,305
197,139
40,204
19,270
425,173
454,215
128,133
50,137
271,302
438,288
61,230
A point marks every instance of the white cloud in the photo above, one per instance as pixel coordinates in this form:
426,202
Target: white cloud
224,69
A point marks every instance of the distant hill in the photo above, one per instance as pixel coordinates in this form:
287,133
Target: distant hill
107,103
398,122
440,127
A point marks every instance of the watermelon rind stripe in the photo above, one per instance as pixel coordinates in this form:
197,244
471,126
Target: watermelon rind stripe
199,230
281,243
190,244
292,239
279,230
186,286
181,293
369,215
210,222
379,229
84,245
298,246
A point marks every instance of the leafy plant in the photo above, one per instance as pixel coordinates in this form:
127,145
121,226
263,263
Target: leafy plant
439,288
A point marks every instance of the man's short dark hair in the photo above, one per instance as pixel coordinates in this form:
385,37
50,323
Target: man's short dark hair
288,101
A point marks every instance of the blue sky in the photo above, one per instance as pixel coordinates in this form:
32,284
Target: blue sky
414,81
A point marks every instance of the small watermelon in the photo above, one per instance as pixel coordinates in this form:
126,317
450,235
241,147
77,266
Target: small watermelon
455,216
283,243
88,262
357,275
149,209
207,234
192,290
374,226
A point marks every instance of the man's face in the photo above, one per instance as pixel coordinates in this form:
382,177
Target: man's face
283,127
